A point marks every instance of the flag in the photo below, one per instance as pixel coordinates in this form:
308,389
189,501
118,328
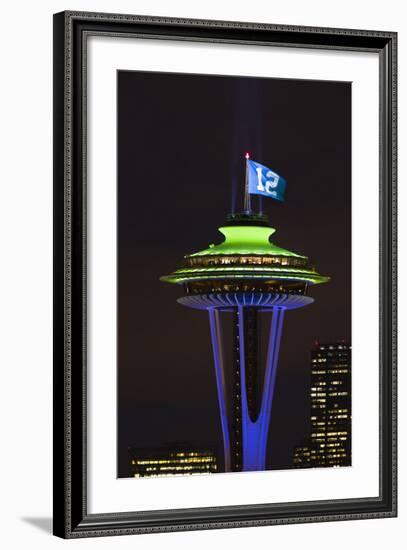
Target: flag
263,181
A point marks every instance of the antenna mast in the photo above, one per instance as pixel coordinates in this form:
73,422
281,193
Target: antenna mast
247,204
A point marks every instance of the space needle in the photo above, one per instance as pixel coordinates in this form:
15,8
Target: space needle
246,278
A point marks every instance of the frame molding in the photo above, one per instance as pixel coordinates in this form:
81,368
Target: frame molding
71,519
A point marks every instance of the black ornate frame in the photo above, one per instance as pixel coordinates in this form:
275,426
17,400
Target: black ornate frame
71,518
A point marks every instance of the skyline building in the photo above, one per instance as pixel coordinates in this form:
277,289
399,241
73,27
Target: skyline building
329,444
171,461
245,280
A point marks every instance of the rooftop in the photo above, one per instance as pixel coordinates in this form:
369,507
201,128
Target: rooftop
246,239
246,253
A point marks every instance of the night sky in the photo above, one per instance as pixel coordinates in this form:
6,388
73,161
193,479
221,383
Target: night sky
181,140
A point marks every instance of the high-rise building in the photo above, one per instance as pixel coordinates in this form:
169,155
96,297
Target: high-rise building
245,277
329,443
170,461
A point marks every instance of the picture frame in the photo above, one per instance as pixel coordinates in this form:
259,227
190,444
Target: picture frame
72,517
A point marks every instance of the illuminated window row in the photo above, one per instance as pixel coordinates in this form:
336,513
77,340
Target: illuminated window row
337,371
245,260
174,461
177,468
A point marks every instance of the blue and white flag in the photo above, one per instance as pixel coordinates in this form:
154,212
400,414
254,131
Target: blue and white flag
263,181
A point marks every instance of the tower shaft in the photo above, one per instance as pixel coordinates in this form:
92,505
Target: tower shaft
251,323
245,429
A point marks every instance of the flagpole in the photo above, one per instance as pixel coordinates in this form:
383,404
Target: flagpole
247,205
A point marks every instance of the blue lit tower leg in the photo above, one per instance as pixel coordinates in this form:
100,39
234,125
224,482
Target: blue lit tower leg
255,432
254,409
218,358
276,329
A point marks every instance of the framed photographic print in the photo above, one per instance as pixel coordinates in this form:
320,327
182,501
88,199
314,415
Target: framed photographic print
225,274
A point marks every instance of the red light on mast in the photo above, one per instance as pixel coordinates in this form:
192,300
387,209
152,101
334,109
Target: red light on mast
247,155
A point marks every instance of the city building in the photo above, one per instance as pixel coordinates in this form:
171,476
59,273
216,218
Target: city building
329,443
245,277
171,461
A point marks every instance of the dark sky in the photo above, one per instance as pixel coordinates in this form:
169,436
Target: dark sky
181,140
